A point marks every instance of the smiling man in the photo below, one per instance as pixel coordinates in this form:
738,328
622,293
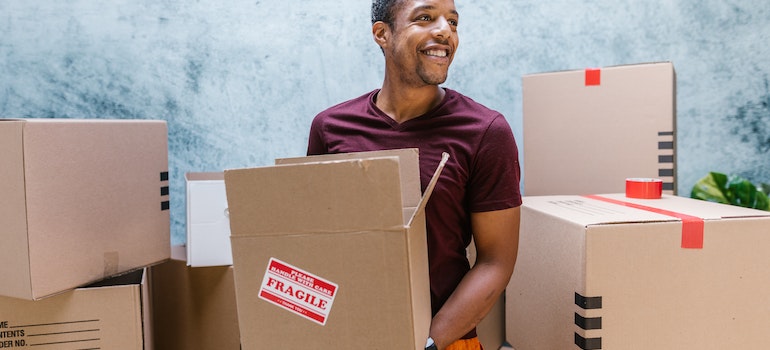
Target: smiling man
477,196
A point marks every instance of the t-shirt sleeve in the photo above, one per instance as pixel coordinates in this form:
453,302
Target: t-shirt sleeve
316,144
495,177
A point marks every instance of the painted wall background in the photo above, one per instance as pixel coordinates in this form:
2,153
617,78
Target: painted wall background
239,81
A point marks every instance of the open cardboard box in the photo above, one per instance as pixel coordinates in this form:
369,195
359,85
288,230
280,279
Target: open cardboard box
82,200
610,272
112,314
330,252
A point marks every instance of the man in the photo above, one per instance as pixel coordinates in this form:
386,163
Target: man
477,195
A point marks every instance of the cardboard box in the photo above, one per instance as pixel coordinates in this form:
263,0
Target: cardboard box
113,314
194,307
610,272
330,253
491,329
208,223
584,129
82,200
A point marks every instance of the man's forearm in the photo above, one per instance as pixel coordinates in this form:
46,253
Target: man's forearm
469,304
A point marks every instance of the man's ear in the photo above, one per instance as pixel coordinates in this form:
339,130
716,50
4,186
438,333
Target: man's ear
381,33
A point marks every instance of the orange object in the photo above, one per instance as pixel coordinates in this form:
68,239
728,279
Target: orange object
644,188
466,344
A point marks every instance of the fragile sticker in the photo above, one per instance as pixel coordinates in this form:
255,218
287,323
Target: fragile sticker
298,291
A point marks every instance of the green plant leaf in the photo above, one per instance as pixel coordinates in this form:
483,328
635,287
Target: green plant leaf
712,188
741,192
763,202
733,190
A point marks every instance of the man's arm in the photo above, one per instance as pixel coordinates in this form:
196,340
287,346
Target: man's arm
496,234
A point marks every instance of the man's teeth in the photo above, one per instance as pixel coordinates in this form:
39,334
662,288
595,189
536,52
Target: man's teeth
437,53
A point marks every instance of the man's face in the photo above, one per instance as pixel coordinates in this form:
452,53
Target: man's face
424,41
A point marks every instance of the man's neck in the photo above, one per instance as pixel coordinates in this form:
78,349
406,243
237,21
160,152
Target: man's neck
404,104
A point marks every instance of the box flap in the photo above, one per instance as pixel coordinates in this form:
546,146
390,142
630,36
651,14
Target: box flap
587,211
345,195
429,190
408,158
14,260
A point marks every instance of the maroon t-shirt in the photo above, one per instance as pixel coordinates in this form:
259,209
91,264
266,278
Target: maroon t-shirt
482,173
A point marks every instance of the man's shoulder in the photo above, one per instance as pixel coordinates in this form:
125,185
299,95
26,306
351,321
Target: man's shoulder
354,105
465,103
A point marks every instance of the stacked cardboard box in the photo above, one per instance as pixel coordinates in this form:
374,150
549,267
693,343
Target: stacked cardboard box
112,314
333,254
83,200
194,292
585,131
491,329
194,308
610,272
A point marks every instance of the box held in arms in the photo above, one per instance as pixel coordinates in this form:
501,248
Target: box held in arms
330,252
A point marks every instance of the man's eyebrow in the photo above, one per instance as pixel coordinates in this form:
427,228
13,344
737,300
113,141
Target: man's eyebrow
430,8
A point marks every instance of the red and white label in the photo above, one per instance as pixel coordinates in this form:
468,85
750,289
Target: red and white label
298,291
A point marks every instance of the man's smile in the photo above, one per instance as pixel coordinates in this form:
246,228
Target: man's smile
436,53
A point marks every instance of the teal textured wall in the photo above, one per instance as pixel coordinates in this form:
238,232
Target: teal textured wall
239,81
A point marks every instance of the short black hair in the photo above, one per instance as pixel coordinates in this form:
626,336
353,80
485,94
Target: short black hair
384,10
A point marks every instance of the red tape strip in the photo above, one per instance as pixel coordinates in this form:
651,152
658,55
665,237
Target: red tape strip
692,226
593,77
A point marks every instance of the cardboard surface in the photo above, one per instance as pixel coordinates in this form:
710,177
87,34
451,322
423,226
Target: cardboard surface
491,329
115,314
194,307
334,223
85,201
595,274
208,223
587,137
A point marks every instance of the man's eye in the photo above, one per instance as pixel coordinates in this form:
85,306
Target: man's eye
453,22
423,18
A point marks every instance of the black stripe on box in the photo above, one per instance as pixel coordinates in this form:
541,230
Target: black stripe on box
665,172
668,186
666,145
164,191
665,159
665,133
164,176
588,303
588,323
165,205
588,344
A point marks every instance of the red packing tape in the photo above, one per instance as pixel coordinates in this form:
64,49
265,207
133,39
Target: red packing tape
593,77
692,226
643,188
